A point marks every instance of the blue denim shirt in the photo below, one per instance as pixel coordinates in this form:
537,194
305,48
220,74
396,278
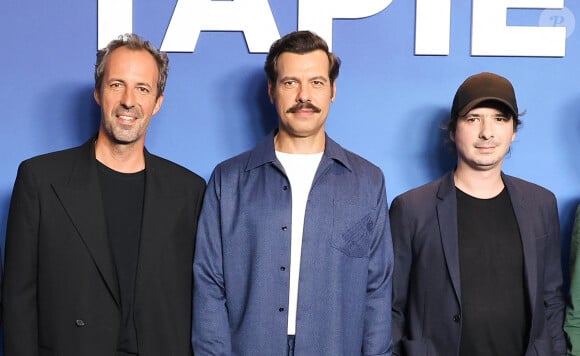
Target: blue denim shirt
241,266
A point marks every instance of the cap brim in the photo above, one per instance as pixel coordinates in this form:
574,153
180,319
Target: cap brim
474,103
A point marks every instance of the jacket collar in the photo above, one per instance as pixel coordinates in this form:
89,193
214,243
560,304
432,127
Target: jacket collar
447,187
264,153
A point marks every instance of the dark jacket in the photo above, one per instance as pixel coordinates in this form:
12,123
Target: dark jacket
426,284
61,293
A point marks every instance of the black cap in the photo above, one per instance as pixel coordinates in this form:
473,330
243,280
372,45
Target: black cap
484,87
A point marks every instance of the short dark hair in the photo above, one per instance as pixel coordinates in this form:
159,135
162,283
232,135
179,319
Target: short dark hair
299,42
132,42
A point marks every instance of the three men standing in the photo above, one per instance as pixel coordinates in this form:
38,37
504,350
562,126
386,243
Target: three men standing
294,251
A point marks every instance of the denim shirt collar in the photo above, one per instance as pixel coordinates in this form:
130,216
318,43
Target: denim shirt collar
264,153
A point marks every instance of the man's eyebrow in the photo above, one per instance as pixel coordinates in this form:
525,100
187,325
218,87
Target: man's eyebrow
288,78
145,84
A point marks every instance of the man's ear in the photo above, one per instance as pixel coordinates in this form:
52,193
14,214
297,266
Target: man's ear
271,92
97,96
333,96
158,103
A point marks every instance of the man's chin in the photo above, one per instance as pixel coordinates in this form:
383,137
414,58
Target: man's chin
486,166
123,140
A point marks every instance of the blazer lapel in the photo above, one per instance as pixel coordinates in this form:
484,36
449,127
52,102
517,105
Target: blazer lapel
447,217
527,237
81,198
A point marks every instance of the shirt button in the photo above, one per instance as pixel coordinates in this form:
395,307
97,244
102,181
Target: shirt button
284,228
80,323
282,268
280,309
456,318
285,187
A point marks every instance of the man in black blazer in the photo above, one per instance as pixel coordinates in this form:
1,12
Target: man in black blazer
477,252
100,238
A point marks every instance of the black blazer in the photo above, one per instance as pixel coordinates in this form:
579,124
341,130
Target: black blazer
61,293
426,285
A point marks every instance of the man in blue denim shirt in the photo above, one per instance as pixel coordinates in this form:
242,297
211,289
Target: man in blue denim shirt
294,252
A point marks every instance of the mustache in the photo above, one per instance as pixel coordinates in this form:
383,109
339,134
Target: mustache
304,105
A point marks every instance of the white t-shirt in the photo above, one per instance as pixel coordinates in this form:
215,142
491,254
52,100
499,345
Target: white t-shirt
300,169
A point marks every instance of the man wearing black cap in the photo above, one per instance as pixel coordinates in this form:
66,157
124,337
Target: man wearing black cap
477,252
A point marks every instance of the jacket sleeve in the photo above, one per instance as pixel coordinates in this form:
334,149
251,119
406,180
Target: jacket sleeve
210,328
403,263
377,329
20,313
572,325
553,299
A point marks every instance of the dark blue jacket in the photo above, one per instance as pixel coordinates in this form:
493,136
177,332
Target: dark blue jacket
426,284
241,277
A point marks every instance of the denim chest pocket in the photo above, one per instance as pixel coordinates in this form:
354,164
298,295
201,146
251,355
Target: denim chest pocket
353,227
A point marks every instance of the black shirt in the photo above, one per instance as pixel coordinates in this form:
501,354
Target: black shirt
495,314
123,195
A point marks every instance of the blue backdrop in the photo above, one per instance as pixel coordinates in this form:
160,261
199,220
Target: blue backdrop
390,102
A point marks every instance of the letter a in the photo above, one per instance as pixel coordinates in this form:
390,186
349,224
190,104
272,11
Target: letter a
253,17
